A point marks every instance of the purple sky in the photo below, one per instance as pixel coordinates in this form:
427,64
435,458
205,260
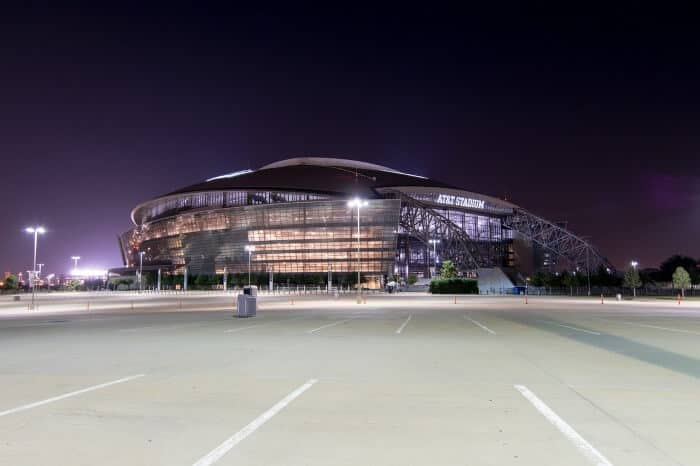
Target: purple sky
581,117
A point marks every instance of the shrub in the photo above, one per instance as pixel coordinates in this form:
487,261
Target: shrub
454,286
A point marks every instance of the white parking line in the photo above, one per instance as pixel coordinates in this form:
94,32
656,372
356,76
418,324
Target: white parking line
484,327
574,328
68,395
405,322
217,453
678,330
330,325
238,329
588,450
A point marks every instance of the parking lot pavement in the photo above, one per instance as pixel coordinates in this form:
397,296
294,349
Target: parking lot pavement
399,380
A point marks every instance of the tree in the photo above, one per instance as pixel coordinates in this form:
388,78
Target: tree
201,281
632,279
541,278
412,279
681,279
670,265
11,283
448,270
569,280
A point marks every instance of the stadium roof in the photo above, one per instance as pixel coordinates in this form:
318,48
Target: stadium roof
314,174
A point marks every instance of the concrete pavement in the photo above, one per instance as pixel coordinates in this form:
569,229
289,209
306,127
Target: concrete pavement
160,385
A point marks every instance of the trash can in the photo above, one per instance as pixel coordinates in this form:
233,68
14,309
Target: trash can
247,303
16,297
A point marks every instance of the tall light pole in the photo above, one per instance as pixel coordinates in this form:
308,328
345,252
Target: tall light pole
250,248
357,202
435,242
634,265
75,260
141,253
36,231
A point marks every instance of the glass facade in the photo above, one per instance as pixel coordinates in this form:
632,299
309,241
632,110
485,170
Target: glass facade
288,237
295,216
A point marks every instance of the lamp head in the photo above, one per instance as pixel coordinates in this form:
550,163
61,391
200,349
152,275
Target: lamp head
357,202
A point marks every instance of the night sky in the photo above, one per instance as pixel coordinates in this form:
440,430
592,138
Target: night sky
587,116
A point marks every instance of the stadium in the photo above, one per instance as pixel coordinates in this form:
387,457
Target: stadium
294,217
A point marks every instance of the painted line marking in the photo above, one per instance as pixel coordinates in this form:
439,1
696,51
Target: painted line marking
678,330
217,453
591,332
405,323
68,395
588,450
484,327
330,325
239,329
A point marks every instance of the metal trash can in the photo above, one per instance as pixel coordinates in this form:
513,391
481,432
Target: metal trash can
247,303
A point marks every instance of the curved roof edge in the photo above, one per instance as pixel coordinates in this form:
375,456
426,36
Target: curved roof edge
333,162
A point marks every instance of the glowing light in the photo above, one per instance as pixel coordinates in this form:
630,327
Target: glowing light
230,175
357,202
40,230
250,247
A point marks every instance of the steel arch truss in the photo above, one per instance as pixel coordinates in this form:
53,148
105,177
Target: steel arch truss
557,240
424,223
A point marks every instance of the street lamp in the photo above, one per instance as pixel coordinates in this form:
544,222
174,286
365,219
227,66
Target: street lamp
36,231
357,202
141,253
634,265
250,248
434,243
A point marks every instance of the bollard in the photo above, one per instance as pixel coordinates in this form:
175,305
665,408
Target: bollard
679,299
364,299
601,298
88,306
526,297
180,303
455,301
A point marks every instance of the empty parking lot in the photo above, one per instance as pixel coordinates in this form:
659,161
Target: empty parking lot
398,380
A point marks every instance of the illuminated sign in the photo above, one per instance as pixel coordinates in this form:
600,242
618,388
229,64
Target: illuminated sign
460,201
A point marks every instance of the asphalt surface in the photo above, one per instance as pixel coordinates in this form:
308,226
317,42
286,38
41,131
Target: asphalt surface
407,380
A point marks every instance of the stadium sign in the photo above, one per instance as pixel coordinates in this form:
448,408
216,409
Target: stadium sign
460,201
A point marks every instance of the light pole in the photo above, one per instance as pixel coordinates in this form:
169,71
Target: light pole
434,243
75,260
250,248
141,253
271,284
634,265
588,270
36,231
357,202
